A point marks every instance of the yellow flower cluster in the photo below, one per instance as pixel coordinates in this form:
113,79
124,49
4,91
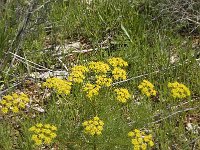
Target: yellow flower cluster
179,90
80,68
13,102
147,88
117,62
99,67
77,74
122,95
140,140
60,85
119,73
93,126
91,90
43,133
102,80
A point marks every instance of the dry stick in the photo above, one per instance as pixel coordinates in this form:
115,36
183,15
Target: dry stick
198,23
15,84
164,118
63,64
19,57
21,29
32,65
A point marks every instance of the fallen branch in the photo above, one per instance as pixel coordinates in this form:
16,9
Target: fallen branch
175,113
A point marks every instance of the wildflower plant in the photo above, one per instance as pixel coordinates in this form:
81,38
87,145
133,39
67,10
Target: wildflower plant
122,95
77,74
80,68
119,74
117,62
93,126
179,90
14,103
60,85
91,90
147,88
43,133
140,140
102,80
76,77
99,67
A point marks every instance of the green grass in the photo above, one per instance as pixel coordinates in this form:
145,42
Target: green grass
138,40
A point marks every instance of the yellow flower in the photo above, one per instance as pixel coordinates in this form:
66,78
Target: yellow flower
15,95
144,146
47,140
52,135
102,80
179,90
91,90
43,133
94,126
96,118
122,94
101,123
13,102
119,73
140,140
60,85
76,76
8,104
47,126
3,102
21,104
117,62
151,143
135,142
54,128
34,137
80,68
99,67
39,125
4,110
33,128
147,88
8,97
15,109
38,142
131,134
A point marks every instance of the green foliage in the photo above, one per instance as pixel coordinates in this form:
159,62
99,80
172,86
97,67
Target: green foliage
157,54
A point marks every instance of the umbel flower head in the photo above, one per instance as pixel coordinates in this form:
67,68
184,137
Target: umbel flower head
117,62
140,140
91,90
43,133
93,126
122,94
179,90
77,74
147,88
80,68
99,67
119,74
102,80
14,102
60,85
